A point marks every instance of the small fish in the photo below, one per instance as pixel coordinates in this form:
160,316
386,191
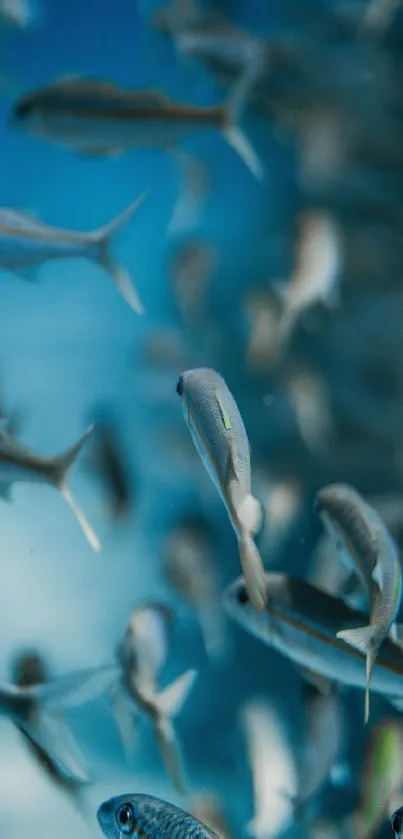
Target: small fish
379,14
98,118
263,312
108,462
20,464
18,13
273,768
30,670
381,778
396,823
139,815
220,438
36,711
192,267
376,560
282,502
302,623
189,567
310,401
26,243
141,656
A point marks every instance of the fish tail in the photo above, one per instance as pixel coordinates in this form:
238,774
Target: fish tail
362,639
60,468
103,238
231,130
170,752
171,700
252,566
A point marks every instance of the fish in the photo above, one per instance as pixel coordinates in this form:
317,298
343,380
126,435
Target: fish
396,823
381,778
282,501
27,242
29,670
262,309
192,266
18,464
139,815
376,560
310,401
379,15
36,711
97,118
301,622
189,568
141,656
107,461
19,13
219,435
274,775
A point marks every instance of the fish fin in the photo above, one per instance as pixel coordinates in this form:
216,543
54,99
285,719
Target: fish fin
231,129
59,470
250,514
53,737
252,566
173,697
361,639
193,177
5,492
170,752
323,685
377,574
103,238
75,688
126,720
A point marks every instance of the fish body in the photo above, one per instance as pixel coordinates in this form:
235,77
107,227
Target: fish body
141,656
26,243
375,557
301,622
98,118
20,464
143,815
219,435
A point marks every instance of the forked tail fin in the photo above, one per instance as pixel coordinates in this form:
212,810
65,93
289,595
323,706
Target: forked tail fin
60,467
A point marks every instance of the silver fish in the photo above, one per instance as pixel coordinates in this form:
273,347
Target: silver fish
26,243
98,118
141,656
376,560
143,815
218,432
302,623
20,464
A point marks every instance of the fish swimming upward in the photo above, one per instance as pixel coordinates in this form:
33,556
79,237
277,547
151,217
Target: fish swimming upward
26,243
19,464
97,118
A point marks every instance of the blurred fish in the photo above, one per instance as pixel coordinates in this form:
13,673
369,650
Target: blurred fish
381,779
108,463
141,656
164,347
26,242
139,815
98,118
273,769
379,15
282,502
396,823
220,438
36,711
316,270
310,401
208,808
30,670
191,268
189,567
20,464
302,623
19,13
263,313
376,561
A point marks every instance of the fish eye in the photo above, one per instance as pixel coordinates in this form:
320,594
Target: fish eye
125,818
243,596
395,823
179,386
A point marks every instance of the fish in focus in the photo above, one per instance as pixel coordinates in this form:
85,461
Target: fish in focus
140,815
381,779
219,435
98,118
36,711
27,242
189,568
302,623
19,464
141,656
29,670
272,766
396,823
375,558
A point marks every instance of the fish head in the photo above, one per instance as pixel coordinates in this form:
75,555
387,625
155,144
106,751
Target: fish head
238,606
120,816
396,822
144,648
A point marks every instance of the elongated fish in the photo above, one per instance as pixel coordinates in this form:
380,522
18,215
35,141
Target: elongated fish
143,815
376,560
141,656
26,243
302,622
218,432
20,464
98,118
